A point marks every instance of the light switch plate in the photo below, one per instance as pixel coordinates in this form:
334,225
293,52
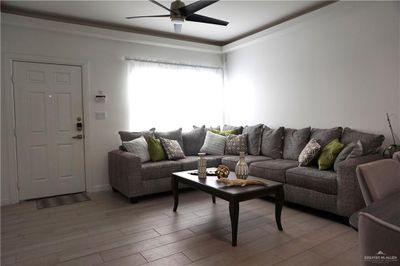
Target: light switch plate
101,115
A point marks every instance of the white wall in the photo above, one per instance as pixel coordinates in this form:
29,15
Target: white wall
336,66
107,71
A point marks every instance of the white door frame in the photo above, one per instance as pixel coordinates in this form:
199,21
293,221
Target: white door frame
8,94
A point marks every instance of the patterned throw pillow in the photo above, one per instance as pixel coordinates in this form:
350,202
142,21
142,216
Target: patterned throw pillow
139,148
236,144
172,149
309,152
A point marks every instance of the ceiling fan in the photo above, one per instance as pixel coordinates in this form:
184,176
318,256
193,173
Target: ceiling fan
180,13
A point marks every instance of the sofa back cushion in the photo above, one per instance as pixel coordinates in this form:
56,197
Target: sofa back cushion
214,144
193,140
174,135
324,136
294,142
128,136
254,134
271,142
370,142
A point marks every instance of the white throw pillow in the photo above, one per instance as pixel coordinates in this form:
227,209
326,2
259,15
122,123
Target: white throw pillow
139,148
214,144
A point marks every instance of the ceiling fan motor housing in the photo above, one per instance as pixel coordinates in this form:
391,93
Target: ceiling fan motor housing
175,14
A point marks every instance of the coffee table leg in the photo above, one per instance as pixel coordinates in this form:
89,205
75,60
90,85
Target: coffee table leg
213,199
175,191
234,213
279,199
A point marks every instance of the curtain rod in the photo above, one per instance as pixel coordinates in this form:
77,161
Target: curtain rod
170,63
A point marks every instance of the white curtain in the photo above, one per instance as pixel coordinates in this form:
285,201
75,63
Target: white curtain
170,96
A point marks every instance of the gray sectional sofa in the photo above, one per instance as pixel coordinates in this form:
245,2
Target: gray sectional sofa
336,191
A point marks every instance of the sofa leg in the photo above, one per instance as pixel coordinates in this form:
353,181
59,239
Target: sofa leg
133,200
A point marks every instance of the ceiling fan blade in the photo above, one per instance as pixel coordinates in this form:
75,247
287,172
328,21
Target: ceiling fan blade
162,6
196,6
155,16
204,19
178,28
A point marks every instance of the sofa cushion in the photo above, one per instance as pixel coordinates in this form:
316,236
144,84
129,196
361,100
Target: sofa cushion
312,178
271,142
231,161
236,144
214,144
254,134
190,162
174,135
324,136
370,142
272,169
193,140
162,169
128,136
229,127
343,154
294,142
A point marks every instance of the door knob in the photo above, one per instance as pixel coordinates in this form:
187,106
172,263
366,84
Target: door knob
79,136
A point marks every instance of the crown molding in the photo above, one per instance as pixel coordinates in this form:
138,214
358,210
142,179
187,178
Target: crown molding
95,32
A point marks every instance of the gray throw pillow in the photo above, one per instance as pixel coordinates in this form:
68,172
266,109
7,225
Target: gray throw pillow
357,151
271,142
254,138
174,134
239,130
236,144
193,140
139,148
172,149
128,136
324,136
294,142
343,154
310,151
370,142
214,144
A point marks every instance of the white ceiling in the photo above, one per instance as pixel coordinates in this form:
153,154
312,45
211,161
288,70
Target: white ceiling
245,17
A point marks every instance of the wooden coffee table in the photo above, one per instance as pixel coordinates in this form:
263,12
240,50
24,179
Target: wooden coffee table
234,195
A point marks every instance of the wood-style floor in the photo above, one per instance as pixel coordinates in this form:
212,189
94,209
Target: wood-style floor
108,230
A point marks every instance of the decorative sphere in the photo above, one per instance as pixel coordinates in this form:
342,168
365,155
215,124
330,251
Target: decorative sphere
222,171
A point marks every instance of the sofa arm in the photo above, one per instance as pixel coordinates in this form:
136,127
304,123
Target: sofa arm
124,171
349,194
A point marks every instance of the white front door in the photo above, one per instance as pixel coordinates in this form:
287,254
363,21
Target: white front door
48,106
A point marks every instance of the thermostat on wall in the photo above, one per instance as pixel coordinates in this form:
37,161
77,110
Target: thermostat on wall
100,98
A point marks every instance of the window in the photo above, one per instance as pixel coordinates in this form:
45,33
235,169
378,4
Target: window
169,96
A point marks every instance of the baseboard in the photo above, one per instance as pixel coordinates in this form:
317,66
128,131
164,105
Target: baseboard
5,202
98,188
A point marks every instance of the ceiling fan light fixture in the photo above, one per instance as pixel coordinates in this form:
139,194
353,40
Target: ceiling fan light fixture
177,20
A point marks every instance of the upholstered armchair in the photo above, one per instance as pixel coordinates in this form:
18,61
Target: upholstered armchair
379,241
378,179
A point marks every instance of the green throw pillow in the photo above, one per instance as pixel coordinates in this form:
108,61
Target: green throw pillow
225,132
156,150
329,154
